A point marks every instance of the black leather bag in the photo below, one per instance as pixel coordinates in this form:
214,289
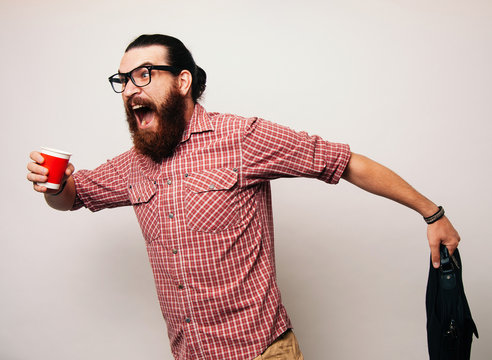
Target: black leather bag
450,326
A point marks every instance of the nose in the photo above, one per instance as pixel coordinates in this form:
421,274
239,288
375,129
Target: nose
130,89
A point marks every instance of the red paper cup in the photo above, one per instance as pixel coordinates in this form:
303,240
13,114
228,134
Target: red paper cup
56,162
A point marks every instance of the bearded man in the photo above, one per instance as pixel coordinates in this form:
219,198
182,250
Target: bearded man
199,185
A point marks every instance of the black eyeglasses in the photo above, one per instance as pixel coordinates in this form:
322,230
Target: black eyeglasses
139,76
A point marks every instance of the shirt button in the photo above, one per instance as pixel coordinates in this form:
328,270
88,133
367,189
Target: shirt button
175,251
187,320
235,169
171,215
186,175
169,182
180,286
211,186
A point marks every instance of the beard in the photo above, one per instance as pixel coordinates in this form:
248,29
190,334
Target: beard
160,143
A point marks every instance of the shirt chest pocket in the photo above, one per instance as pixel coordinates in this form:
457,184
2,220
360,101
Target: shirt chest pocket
145,204
211,200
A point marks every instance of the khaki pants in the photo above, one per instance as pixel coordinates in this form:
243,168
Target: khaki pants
284,348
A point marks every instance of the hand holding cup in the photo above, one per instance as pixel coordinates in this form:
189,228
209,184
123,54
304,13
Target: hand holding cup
49,170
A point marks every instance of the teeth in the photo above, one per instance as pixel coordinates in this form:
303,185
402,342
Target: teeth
135,107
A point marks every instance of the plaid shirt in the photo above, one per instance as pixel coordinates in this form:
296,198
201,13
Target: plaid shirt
206,217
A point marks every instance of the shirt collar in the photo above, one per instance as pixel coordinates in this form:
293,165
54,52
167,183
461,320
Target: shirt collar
199,122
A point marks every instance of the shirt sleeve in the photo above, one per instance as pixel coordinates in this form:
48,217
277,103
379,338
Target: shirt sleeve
271,151
101,188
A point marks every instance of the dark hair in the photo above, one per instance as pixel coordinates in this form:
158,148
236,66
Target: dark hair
178,56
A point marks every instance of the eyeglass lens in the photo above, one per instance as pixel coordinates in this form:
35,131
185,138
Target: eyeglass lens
139,76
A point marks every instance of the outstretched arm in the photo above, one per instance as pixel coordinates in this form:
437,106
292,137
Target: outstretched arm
378,179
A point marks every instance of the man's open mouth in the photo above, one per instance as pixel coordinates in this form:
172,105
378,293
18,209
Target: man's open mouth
144,115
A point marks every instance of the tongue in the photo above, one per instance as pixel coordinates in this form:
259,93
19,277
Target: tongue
146,119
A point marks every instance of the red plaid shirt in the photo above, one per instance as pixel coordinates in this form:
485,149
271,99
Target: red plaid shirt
206,217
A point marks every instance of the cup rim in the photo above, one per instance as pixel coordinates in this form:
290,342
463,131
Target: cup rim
55,152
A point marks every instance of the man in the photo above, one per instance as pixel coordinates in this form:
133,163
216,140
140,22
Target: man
199,185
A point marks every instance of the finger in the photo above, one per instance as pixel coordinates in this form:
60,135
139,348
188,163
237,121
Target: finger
39,188
35,178
37,157
435,256
43,189
70,169
37,169
452,247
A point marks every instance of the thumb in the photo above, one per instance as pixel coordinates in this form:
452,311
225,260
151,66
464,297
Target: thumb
70,169
435,256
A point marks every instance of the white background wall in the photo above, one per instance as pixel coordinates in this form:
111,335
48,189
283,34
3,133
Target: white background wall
407,83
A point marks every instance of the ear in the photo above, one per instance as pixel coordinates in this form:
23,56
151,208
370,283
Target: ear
184,82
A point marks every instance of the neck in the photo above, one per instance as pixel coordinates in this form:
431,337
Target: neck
190,108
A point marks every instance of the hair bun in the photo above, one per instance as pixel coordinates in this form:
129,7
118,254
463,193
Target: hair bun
200,84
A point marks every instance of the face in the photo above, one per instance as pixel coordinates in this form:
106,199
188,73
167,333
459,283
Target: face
156,112
143,101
